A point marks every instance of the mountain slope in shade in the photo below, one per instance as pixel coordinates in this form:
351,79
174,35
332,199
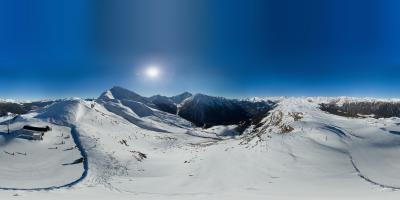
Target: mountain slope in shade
207,111
177,99
169,104
200,109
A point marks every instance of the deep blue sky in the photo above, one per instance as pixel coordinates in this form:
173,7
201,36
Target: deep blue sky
51,49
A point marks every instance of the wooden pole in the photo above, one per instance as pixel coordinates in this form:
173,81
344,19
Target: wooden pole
8,122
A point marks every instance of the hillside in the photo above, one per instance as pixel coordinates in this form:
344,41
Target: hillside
133,150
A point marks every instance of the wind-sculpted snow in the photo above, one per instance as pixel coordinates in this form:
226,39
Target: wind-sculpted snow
138,108
131,116
65,112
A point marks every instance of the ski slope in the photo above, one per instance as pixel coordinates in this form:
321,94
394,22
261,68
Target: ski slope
136,151
30,164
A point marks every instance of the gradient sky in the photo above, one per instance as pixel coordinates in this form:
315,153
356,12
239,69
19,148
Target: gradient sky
53,49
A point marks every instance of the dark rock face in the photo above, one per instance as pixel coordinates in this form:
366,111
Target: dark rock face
258,117
355,109
208,111
257,108
164,104
169,108
213,115
169,104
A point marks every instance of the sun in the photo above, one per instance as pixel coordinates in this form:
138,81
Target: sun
152,72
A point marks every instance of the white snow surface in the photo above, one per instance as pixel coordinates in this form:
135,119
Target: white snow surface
137,152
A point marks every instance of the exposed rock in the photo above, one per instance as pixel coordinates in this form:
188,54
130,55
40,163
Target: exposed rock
169,104
164,104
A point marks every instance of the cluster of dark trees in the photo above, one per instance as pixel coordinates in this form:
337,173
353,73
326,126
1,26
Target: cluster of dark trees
378,109
21,108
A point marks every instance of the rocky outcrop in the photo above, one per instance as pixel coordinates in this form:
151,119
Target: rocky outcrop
164,104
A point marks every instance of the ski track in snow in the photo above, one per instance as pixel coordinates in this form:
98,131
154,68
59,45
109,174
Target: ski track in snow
345,133
75,136
361,175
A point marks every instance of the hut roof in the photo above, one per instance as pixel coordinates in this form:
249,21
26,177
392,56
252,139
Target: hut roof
35,128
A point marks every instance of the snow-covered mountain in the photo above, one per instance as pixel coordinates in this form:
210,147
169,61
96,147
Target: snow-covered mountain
163,103
180,97
121,94
200,109
123,146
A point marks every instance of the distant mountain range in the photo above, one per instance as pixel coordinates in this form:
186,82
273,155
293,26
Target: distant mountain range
206,111
200,109
200,144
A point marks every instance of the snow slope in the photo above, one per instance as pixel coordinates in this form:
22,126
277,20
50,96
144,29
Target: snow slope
136,151
28,164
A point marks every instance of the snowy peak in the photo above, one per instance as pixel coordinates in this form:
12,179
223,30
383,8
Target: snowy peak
180,97
199,109
120,93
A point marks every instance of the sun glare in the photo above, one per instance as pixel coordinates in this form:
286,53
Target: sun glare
152,72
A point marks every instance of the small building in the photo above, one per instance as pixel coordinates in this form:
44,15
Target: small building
33,132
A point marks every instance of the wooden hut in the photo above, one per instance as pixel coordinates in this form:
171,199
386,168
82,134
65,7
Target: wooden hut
34,132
